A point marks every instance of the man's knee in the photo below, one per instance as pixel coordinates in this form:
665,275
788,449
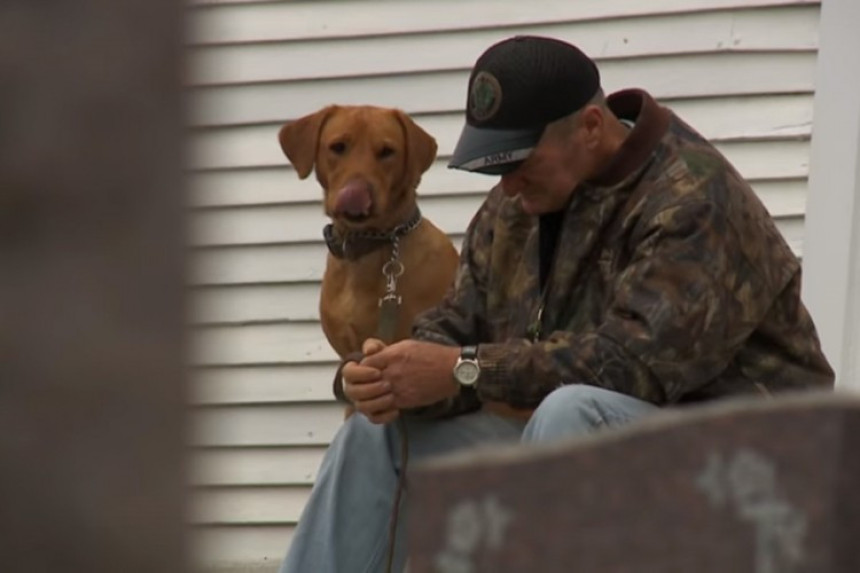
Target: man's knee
578,409
574,401
359,435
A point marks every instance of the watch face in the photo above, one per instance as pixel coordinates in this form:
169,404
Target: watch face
467,372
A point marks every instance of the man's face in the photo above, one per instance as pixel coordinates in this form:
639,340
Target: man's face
545,181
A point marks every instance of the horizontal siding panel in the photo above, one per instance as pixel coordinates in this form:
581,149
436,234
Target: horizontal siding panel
251,186
296,301
255,466
261,264
271,343
304,222
792,231
261,384
223,21
243,304
275,425
238,305
240,549
745,30
278,263
288,301
279,185
718,119
260,344
274,263
248,506
776,159
683,76
783,198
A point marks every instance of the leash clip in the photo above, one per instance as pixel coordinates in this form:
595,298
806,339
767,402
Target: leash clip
391,270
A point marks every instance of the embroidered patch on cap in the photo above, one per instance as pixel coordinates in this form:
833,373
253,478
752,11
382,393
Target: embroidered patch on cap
485,97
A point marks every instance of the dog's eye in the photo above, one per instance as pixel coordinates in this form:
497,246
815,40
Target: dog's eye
385,152
338,147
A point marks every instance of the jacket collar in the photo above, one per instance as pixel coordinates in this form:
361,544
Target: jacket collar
651,123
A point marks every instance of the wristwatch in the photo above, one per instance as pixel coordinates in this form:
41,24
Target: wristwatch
467,370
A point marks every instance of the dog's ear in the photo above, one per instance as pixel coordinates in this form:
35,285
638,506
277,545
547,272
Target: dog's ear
420,146
300,139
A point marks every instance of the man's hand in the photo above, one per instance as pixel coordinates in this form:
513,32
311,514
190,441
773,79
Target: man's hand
365,388
416,373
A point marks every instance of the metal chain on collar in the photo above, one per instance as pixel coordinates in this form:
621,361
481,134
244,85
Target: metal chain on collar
396,232
344,245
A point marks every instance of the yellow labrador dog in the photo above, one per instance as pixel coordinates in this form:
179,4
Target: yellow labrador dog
369,161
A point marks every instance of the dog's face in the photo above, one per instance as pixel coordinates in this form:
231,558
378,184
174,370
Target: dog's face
368,161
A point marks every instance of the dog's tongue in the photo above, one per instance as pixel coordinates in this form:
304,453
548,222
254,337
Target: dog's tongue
353,199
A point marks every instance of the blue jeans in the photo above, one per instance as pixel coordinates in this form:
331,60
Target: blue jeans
344,526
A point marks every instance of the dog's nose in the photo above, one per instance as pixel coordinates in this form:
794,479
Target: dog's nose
354,199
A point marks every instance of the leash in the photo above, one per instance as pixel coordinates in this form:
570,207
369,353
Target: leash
352,246
389,307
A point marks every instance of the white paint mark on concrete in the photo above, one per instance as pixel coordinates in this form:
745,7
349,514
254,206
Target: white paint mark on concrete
472,524
748,482
498,518
464,528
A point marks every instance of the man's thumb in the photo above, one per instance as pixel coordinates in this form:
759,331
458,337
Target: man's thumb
372,346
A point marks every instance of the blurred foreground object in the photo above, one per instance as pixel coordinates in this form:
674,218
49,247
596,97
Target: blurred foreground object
91,287
743,486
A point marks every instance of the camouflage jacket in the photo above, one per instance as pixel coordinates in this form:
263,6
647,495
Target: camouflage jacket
670,282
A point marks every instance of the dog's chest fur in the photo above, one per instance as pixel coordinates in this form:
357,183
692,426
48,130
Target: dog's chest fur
349,301
351,290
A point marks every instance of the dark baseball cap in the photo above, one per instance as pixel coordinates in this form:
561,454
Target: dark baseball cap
517,87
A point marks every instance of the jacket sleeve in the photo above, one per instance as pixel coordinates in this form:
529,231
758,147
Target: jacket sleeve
461,316
677,314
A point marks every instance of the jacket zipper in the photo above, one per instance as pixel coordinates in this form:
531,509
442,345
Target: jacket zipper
536,328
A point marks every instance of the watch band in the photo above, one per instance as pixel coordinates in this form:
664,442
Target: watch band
469,352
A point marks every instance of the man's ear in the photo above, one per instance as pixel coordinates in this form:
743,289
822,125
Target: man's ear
593,121
420,147
300,138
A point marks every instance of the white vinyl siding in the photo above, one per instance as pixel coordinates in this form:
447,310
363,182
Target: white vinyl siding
739,71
